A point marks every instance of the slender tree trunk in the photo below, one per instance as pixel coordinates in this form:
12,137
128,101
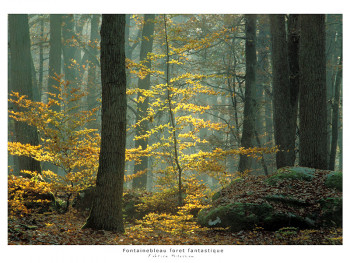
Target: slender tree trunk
172,117
263,85
340,145
313,105
250,93
12,159
55,55
36,91
54,67
92,88
41,57
335,115
106,212
21,82
143,84
69,49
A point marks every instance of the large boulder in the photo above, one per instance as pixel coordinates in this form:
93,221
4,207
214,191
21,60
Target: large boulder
293,196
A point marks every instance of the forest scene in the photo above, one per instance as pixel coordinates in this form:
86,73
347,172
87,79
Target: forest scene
175,129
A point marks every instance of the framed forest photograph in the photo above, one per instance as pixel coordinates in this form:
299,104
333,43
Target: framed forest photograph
184,134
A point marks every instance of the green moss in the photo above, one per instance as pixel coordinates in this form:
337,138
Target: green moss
286,200
237,216
332,211
216,196
335,180
291,173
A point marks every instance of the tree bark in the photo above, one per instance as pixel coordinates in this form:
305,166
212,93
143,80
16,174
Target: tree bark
172,116
144,84
91,83
21,82
106,211
55,55
284,94
41,57
263,122
248,133
335,115
340,145
69,49
313,105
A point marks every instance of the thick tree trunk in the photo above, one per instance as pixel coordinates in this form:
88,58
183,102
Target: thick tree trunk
21,82
248,133
144,84
293,59
284,95
313,105
106,211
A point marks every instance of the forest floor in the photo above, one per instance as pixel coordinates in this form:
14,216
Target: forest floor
65,229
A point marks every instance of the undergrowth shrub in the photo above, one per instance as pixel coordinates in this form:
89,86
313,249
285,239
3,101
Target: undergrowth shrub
28,195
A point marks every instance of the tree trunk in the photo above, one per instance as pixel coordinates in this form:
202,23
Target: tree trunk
143,84
284,94
293,59
106,211
69,49
248,132
41,57
21,82
335,115
313,105
172,116
55,55
333,51
340,145
54,67
263,86
91,83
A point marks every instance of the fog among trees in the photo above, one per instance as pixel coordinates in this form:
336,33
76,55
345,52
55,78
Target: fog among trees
157,121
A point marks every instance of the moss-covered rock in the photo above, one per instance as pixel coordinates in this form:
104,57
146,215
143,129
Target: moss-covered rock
291,173
335,180
292,197
331,211
220,193
237,216
285,199
278,220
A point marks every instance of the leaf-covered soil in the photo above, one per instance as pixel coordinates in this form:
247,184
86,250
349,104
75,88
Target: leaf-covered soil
253,189
65,229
